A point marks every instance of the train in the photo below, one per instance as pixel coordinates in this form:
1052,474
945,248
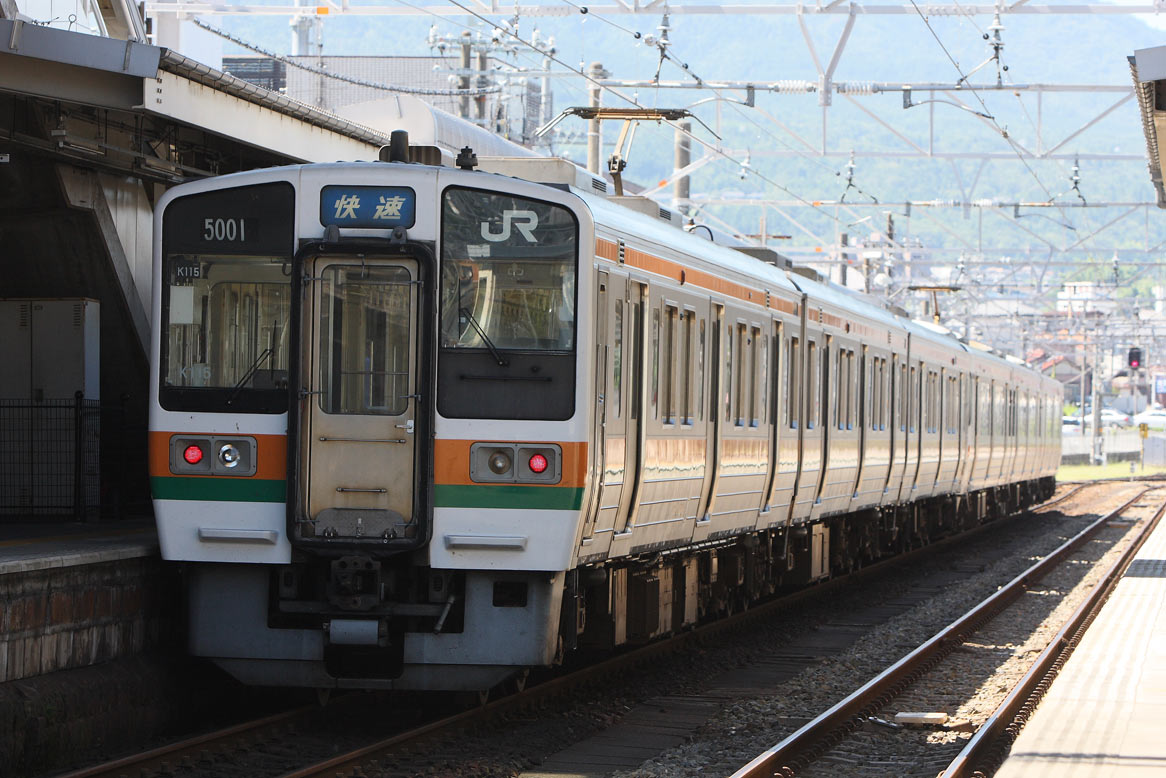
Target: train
429,422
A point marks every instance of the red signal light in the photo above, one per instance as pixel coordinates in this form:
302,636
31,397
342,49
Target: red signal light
192,455
537,464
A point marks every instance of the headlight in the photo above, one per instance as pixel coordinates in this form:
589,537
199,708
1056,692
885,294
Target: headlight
229,455
499,462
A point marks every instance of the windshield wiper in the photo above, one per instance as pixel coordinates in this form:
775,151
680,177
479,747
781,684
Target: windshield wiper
267,352
485,338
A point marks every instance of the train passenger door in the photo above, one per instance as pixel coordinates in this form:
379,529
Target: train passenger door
359,407
603,354
634,386
864,394
897,407
714,430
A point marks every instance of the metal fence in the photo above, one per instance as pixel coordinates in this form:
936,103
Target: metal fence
1114,442
66,458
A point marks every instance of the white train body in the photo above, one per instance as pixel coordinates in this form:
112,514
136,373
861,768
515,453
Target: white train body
423,427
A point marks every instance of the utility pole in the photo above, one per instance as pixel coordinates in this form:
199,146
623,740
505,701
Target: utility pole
681,188
464,79
597,73
844,241
1098,440
483,81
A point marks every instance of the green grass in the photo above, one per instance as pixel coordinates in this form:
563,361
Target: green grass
1112,470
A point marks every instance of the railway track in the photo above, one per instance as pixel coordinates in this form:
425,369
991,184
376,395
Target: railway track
859,732
267,746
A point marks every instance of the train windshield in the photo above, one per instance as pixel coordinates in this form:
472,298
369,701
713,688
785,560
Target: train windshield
226,301
508,273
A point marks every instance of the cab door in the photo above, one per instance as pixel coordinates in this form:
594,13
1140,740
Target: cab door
360,402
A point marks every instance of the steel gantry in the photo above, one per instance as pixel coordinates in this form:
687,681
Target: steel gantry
1033,237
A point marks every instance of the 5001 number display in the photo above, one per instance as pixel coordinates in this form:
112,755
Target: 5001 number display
224,229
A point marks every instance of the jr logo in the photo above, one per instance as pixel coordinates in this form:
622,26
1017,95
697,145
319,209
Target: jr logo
524,221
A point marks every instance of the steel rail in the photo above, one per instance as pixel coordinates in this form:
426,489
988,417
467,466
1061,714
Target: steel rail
350,763
993,739
821,734
174,752
157,758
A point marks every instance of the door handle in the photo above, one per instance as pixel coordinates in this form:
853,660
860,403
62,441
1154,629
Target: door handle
407,426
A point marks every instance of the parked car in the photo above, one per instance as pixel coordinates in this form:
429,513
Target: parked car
1111,417
1070,425
1155,418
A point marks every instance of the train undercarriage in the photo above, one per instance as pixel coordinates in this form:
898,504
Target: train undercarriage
648,598
355,621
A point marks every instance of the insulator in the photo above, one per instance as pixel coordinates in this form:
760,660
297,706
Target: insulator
793,87
854,87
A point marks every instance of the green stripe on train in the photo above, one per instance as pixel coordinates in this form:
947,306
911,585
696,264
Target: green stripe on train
218,489
561,498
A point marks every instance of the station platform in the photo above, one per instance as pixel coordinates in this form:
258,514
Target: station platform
39,544
1103,714
74,594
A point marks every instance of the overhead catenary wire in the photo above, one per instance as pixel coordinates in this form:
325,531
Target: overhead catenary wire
476,92
632,101
963,79
739,109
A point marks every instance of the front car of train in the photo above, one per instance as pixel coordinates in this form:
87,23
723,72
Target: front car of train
366,434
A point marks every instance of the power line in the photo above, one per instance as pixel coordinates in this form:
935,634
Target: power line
341,77
637,104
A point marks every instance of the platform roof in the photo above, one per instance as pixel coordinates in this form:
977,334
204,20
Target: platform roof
1148,67
85,90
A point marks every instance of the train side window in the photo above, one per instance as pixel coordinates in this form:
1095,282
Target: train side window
823,401
915,394
904,397
811,384
775,381
853,389
741,395
685,393
885,379
961,402
794,374
863,397
760,366
655,396
940,401
729,388
617,359
668,366
636,387
839,396
949,405
700,373
932,402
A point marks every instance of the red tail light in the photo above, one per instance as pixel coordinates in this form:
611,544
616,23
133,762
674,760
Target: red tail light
192,454
537,463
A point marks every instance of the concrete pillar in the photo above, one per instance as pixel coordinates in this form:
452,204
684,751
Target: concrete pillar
83,190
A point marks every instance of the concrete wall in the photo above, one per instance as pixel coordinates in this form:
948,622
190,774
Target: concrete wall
59,618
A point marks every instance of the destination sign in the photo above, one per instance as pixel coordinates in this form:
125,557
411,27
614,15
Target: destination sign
255,220
382,207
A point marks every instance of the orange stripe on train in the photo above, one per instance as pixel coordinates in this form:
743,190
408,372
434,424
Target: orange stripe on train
272,453
685,275
451,461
